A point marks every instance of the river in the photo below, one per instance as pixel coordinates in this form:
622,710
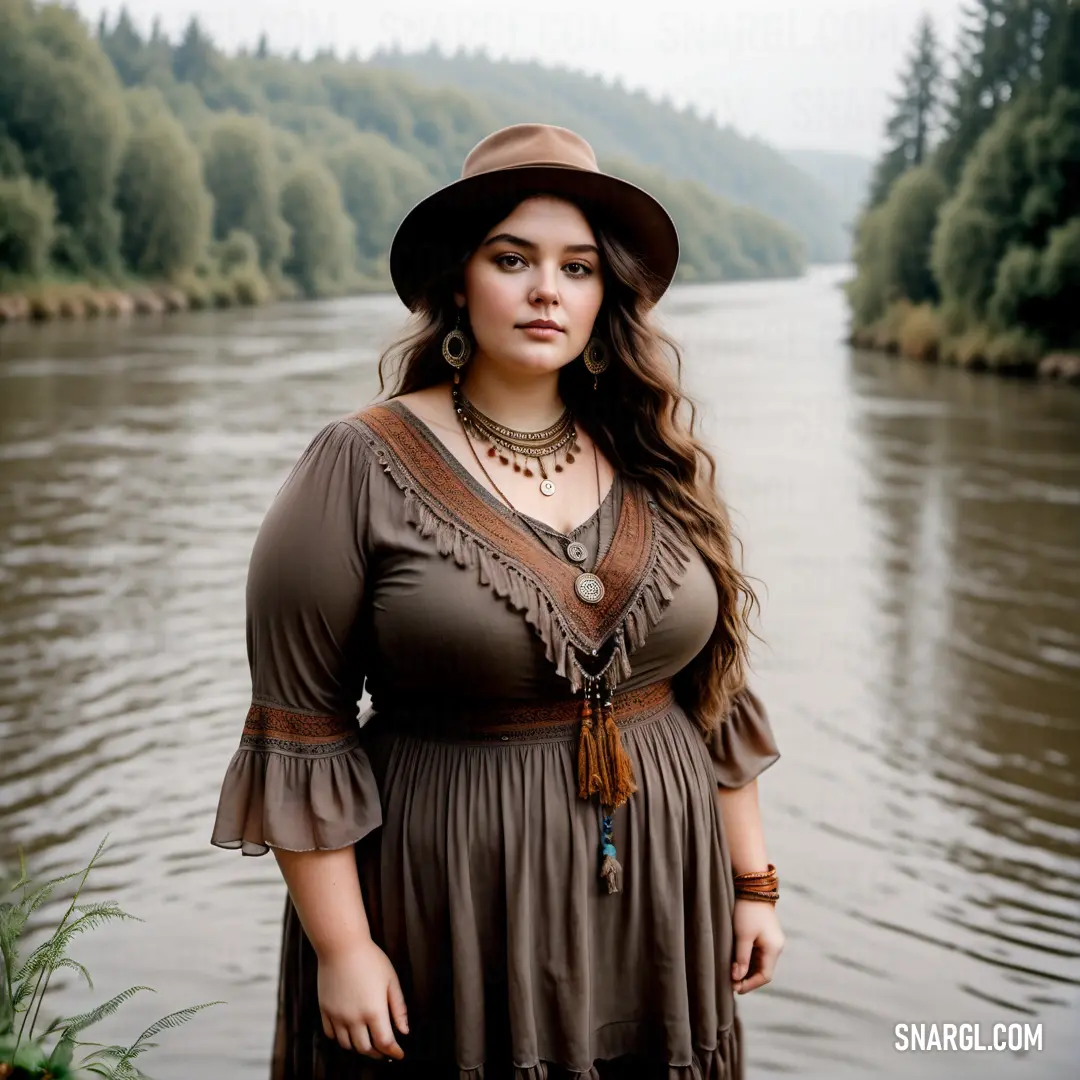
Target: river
916,535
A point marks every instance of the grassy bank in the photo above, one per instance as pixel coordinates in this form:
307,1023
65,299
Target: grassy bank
46,300
923,332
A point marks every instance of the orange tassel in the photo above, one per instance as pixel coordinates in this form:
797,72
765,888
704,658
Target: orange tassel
619,767
588,764
603,757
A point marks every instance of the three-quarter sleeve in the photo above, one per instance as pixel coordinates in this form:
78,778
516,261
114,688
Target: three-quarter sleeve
300,779
742,745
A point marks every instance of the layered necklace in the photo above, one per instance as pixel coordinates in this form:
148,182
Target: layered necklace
532,445
508,444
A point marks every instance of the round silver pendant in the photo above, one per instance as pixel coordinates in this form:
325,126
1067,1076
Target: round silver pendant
589,588
547,487
576,551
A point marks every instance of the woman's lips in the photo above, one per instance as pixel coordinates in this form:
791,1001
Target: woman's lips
542,333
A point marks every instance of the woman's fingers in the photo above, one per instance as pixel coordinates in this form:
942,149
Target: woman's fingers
755,980
382,1038
766,954
396,1000
744,946
361,1040
341,1036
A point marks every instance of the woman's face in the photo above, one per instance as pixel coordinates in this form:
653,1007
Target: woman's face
542,264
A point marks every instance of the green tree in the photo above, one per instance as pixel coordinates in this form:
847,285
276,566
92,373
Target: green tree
195,60
982,220
910,218
1003,45
868,290
27,224
912,124
379,184
63,107
321,253
124,46
1060,286
164,206
241,174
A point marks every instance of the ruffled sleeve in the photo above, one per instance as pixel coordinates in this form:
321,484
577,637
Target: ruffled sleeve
300,779
742,744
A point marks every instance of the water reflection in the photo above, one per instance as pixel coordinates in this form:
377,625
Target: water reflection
977,487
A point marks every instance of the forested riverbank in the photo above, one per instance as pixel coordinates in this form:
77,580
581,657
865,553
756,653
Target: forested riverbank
968,252
139,173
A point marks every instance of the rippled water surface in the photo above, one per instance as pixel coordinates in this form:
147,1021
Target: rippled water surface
916,534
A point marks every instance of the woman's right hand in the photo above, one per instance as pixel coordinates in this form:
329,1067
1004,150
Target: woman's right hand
359,998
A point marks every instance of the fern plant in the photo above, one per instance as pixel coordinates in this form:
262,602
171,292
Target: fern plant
49,1055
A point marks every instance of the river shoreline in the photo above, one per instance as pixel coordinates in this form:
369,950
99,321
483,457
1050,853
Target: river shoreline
919,333
72,301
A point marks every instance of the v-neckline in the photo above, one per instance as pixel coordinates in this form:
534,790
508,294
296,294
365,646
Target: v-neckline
500,540
482,491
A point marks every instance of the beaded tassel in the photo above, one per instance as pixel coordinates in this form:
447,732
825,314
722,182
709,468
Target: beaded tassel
620,770
610,867
588,766
604,768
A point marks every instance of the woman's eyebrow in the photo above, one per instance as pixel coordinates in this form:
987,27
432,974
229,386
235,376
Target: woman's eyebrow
518,241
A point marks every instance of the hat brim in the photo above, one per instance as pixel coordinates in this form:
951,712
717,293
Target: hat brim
432,235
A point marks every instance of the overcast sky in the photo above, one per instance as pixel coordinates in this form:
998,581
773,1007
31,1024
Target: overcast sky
797,73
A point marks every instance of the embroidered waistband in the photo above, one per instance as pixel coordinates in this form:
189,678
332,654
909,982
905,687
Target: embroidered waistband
508,721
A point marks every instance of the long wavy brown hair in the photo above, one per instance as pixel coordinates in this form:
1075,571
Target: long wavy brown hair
640,418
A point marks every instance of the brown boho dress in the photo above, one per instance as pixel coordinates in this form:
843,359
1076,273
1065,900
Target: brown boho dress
383,562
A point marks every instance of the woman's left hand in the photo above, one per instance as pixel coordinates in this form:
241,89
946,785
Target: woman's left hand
758,944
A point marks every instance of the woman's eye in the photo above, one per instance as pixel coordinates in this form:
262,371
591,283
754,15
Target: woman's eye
584,271
502,260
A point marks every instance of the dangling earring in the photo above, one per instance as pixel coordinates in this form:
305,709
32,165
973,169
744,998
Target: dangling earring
596,359
456,349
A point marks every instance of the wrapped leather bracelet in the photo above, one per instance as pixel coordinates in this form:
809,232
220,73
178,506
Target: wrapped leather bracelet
758,885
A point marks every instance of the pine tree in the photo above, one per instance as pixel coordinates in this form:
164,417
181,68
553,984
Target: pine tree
912,125
1002,52
263,50
1061,68
124,47
194,59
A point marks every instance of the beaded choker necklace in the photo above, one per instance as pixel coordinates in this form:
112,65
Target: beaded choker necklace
507,444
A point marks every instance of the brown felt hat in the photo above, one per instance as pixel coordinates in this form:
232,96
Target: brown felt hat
528,159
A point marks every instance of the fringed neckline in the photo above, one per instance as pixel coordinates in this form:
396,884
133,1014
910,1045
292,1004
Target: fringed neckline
642,567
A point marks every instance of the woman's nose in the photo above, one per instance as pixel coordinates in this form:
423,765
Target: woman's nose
545,291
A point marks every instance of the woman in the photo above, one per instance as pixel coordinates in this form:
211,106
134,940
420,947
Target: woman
521,864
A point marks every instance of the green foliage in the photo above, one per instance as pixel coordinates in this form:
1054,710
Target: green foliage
913,121
719,241
62,106
160,194
1002,52
323,240
241,173
911,215
630,126
1017,289
379,185
1059,286
868,291
892,253
27,224
1005,252
24,983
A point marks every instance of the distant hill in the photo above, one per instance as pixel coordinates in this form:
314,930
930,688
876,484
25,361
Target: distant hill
845,176
629,125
